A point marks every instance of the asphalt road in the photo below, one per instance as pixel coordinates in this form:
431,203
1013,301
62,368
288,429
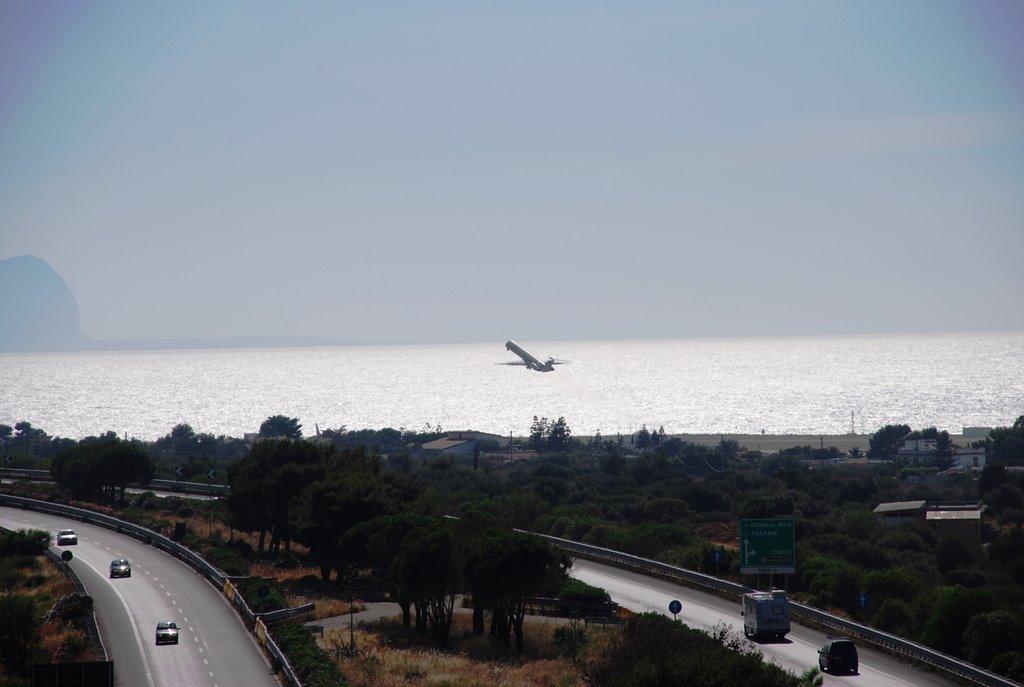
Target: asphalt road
797,653
214,649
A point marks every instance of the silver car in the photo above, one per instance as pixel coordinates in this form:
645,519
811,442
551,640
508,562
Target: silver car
67,538
166,632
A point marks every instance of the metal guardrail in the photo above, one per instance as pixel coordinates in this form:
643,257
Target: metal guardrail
26,473
294,613
155,539
887,642
190,487
810,615
157,484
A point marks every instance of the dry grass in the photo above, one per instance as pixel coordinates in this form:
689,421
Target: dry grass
328,608
392,656
284,575
52,635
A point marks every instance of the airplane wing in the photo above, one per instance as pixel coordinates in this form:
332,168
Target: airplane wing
515,362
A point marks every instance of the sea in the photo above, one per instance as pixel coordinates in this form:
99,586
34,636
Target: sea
781,385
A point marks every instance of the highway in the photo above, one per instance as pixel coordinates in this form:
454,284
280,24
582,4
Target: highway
797,653
214,649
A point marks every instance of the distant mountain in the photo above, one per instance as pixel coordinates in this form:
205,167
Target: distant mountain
38,312
226,342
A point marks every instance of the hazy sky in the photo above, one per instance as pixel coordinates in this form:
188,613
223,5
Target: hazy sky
467,171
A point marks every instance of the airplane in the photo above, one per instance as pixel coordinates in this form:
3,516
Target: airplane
531,361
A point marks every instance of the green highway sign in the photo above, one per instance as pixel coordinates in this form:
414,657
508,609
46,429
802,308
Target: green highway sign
767,545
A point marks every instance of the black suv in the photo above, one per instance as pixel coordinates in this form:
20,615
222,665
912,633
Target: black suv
838,653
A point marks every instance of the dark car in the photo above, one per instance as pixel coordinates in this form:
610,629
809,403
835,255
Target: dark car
838,654
120,567
167,632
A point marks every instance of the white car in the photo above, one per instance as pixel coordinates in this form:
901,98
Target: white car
66,538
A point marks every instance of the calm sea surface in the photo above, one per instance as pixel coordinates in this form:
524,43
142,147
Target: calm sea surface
800,385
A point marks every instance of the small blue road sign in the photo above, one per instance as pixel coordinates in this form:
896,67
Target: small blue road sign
863,600
674,607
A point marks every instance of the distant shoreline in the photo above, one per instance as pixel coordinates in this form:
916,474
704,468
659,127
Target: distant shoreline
772,443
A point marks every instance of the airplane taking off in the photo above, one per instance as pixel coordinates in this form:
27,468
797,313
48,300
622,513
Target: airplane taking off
531,361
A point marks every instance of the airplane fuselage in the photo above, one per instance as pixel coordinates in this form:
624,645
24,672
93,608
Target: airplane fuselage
531,361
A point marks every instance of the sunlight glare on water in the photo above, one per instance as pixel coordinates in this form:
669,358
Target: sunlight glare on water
793,385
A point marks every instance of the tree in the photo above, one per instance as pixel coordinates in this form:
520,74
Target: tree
427,566
24,543
180,440
1006,444
993,633
950,614
1003,498
943,457
885,442
99,470
538,433
182,431
351,492
19,632
643,437
6,432
266,481
383,536
559,436
992,476
504,569
281,427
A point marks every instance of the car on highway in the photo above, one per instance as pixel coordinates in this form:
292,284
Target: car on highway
67,538
838,654
166,632
120,567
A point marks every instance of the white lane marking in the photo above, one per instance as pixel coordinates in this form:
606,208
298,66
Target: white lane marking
135,627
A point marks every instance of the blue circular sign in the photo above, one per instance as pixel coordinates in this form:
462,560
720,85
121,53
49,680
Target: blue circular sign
863,600
674,607
716,555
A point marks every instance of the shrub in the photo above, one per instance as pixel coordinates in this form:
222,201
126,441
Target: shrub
24,543
315,668
577,590
227,560
71,608
654,650
263,594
